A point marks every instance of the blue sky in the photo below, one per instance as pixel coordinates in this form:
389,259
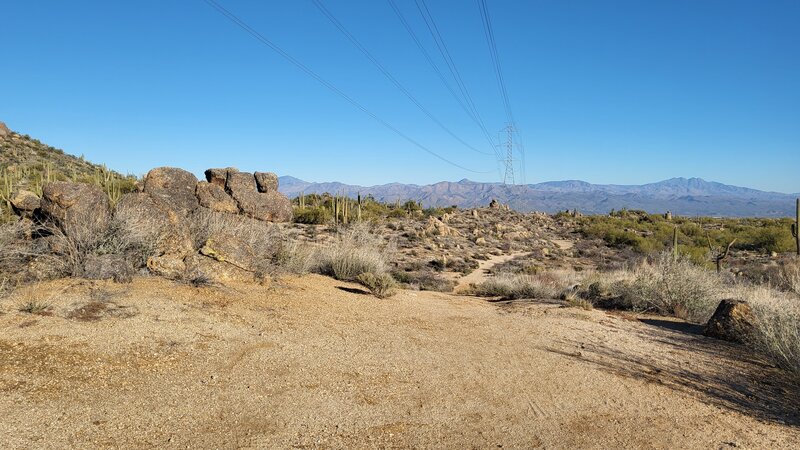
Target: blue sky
621,92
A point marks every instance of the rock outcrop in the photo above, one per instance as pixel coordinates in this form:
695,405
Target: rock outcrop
108,267
214,197
79,210
732,321
4,131
172,188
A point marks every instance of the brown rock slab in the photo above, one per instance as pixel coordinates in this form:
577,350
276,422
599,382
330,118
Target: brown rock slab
79,210
219,176
173,188
25,202
266,181
228,248
732,321
201,267
214,197
167,266
267,206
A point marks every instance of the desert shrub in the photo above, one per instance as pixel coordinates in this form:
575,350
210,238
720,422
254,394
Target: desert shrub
296,257
424,281
675,287
355,250
516,286
312,215
381,285
573,300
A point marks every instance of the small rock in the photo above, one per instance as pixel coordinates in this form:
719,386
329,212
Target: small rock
732,321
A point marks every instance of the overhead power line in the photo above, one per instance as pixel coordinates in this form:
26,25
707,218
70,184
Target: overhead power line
259,37
489,35
439,73
386,73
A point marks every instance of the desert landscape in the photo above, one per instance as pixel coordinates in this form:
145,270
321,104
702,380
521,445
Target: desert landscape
400,224
171,312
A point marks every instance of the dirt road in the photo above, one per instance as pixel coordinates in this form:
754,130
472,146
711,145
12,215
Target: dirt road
311,362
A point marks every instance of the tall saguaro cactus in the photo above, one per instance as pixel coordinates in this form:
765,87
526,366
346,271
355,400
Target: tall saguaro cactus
796,227
675,243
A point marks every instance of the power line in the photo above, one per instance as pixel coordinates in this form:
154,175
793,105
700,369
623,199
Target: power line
489,35
388,74
439,73
430,23
255,34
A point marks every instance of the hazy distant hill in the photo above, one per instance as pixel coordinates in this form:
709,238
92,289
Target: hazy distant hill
692,196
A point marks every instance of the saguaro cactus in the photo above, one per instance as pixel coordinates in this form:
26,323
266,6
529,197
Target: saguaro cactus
796,227
675,243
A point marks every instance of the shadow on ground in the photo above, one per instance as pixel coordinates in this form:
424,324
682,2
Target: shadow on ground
677,355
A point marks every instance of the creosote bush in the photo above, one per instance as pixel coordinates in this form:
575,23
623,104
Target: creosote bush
381,285
355,250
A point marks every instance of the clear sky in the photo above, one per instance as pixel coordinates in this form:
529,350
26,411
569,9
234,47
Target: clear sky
623,92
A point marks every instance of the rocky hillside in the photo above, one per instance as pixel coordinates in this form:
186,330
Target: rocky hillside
25,163
691,197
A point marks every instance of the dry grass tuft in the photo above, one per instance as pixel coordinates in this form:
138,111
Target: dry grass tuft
381,285
355,250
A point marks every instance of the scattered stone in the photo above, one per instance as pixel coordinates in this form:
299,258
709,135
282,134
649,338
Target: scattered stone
108,267
173,188
79,210
266,181
214,197
732,321
494,204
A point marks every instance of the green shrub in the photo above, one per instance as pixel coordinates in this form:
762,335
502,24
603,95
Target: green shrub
381,285
312,215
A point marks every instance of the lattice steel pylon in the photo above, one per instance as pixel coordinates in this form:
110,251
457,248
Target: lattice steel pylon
508,178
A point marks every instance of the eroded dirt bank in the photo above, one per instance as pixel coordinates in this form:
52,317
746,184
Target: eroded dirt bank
311,362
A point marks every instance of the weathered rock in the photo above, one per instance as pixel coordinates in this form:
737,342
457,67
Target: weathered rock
168,229
202,268
167,266
436,227
732,321
79,210
219,176
494,204
266,181
267,206
108,267
25,202
214,197
226,247
173,188
4,131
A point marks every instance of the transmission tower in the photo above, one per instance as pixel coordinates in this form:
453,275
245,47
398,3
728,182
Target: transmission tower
508,178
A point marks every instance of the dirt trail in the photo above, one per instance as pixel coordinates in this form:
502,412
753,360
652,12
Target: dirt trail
311,362
480,274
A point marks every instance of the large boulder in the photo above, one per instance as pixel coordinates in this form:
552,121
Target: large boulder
80,210
266,181
167,266
108,267
166,229
25,202
4,131
214,197
172,188
219,176
268,206
732,321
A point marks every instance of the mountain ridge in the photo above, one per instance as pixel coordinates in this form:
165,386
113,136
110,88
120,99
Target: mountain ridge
685,196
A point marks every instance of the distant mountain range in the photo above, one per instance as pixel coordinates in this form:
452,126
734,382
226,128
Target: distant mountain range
692,196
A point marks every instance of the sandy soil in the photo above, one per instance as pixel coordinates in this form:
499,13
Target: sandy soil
311,362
